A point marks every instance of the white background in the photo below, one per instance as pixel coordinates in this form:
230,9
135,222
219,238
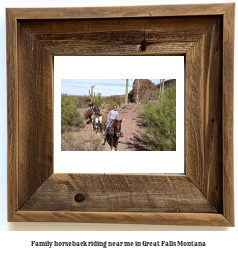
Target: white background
106,67
218,242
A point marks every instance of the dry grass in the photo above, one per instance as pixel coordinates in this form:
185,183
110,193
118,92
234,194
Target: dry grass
70,142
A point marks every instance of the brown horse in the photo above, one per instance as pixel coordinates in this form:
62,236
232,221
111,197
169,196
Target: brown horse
88,115
113,132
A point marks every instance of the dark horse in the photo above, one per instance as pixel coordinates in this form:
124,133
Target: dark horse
113,131
88,115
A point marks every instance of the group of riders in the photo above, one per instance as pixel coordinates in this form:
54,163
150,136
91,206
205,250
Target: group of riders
113,115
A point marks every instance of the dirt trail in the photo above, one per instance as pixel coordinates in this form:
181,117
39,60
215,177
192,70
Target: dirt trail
132,128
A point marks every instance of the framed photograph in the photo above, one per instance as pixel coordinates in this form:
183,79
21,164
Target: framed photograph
140,154
202,195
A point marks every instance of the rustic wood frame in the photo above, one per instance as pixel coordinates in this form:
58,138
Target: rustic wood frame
204,34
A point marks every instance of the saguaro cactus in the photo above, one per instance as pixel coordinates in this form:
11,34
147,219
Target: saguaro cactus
137,90
161,89
126,93
91,94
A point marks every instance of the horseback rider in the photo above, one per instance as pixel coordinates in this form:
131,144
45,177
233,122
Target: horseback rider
96,113
91,106
113,115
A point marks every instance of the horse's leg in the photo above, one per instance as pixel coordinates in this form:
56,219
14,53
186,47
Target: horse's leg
112,142
105,138
117,143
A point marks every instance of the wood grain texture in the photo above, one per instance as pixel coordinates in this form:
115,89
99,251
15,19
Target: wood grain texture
119,36
178,25
121,12
204,114
35,114
12,114
71,48
227,113
197,219
141,193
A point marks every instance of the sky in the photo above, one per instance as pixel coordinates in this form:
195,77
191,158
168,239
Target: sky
106,87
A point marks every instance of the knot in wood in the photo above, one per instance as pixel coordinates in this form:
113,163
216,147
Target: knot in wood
143,45
79,198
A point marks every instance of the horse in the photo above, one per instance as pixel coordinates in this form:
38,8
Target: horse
113,131
97,124
88,115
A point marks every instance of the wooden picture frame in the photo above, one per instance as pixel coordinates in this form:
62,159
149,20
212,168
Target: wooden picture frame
204,34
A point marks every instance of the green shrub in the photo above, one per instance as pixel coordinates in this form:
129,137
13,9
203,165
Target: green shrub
109,99
145,100
102,106
98,100
157,94
86,102
110,106
161,123
118,102
69,114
